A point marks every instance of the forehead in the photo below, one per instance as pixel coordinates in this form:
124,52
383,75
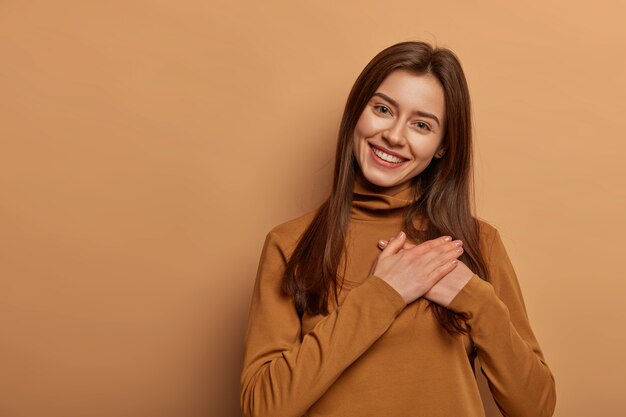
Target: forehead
414,92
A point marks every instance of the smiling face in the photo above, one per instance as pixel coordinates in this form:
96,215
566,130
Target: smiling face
400,129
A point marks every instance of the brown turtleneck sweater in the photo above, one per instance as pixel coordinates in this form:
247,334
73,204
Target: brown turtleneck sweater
374,355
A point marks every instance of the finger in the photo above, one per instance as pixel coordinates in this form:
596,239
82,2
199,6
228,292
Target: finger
394,245
443,270
443,254
407,244
431,244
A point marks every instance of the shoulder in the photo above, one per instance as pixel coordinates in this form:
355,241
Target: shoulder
485,229
286,235
487,234
493,250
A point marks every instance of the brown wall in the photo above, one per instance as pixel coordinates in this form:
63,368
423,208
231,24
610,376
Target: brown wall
147,147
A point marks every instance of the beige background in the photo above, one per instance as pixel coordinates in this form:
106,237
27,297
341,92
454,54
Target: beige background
146,147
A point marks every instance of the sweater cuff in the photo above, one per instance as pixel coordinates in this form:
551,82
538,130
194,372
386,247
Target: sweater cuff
476,298
385,291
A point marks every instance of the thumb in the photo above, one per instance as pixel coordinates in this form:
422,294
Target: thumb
394,245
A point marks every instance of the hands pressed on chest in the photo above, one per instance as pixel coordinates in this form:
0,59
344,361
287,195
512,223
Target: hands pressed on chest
430,269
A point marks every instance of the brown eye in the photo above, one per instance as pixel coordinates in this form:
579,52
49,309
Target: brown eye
422,126
381,109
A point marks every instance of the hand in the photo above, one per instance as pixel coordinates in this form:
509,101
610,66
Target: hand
444,290
414,270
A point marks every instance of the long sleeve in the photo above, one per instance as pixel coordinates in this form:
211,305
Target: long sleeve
519,378
285,372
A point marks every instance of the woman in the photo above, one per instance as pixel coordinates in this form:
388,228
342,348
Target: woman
346,321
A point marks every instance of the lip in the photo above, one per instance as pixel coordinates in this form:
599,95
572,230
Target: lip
381,162
387,151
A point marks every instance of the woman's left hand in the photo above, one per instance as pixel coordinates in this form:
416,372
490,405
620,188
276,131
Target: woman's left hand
444,291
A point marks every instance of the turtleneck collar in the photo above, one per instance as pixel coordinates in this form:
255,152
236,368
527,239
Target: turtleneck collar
372,202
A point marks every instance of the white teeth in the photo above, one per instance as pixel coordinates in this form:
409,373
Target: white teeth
386,157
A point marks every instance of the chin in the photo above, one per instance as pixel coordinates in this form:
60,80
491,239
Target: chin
382,180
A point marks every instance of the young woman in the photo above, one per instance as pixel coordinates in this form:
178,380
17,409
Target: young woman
378,302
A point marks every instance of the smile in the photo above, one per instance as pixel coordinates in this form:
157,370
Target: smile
385,156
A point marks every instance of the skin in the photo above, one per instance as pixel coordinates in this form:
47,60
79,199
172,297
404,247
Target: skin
405,117
450,277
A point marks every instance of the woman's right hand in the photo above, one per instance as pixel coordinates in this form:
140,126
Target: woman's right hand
412,272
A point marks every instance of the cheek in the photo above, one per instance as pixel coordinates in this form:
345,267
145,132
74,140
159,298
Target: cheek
357,147
367,126
360,132
424,148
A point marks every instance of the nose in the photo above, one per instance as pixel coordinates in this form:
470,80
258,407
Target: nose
394,134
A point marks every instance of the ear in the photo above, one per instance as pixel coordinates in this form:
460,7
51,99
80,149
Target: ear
440,153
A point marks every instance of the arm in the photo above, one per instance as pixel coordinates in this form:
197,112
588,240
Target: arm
285,372
512,361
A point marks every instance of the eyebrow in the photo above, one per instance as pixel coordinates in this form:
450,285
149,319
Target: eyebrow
418,112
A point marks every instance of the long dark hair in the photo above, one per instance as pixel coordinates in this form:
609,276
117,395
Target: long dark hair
444,187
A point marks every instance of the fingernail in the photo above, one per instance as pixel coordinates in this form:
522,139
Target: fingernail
458,243
382,243
447,238
401,234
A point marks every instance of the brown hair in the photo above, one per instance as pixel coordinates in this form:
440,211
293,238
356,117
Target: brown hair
444,187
